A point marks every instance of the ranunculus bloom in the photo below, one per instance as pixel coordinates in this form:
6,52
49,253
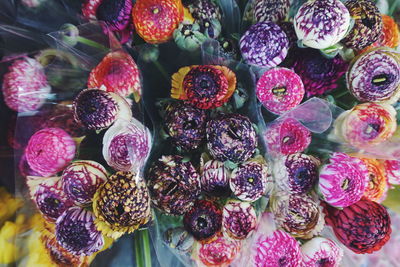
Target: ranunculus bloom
117,73
155,21
390,36
275,10
239,219
49,151
204,86
280,90
215,178
363,227
25,86
377,183
343,180
321,251
392,171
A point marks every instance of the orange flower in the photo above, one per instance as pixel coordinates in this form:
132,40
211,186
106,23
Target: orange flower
155,20
377,185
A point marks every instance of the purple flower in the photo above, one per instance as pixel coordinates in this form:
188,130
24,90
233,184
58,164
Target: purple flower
275,10
239,219
215,178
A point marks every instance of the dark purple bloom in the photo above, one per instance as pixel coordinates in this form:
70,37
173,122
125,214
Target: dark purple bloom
215,178
205,9
239,219
270,10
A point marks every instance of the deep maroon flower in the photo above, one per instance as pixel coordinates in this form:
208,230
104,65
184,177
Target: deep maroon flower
215,178
174,184
318,73
239,219
77,233
204,220
363,227
286,137
231,137
296,173
185,124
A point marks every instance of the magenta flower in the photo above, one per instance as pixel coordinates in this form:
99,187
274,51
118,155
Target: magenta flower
321,251
343,180
280,90
49,151
392,171
25,86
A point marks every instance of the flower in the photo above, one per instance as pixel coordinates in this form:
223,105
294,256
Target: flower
377,183
9,206
155,21
81,179
318,73
239,219
77,233
296,173
204,86
343,180
49,151
25,86
174,184
231,137
126,145
265,44
392,171
274,11
185,124
390,36
298,214
251,180
366,124
363,227
320,24
49,197
118,73
97,109
228,49
10,251
287,136
375,76
276,249
214,178
122,204
367,24
280,90
205,9
61,116
179,239
89,8
211,28
203,220
288,28
219,252
321,251
188,36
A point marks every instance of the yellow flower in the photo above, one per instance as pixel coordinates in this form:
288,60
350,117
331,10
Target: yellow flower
9,205
9,252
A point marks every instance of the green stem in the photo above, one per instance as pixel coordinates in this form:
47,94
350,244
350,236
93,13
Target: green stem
138,254
161,69
146,247
91,43
393,8
339,95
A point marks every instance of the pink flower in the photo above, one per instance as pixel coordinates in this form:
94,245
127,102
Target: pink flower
392,171
321,251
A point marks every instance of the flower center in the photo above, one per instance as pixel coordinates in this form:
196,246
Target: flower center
345,184
279,91
232,131
380,79
323,262
201,223
366,21
372,127
250,180
155,10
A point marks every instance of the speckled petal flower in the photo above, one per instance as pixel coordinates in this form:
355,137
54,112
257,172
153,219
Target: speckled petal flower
318,73
296,173
122,204
115,14
343,180
239,219
215,178
97,109
276,249
25,86
205,9
204,86
366,124
266,10
368,24
174,185
320,24
49,197
117,73
203,220
77,233
185,124
265,44
81,179
321,251
126,145
375,76
280,90
251,180
219,252
49,151
89,8
298,214
231,137
392,171
377,182
390,36
287,136
155,21
363,227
